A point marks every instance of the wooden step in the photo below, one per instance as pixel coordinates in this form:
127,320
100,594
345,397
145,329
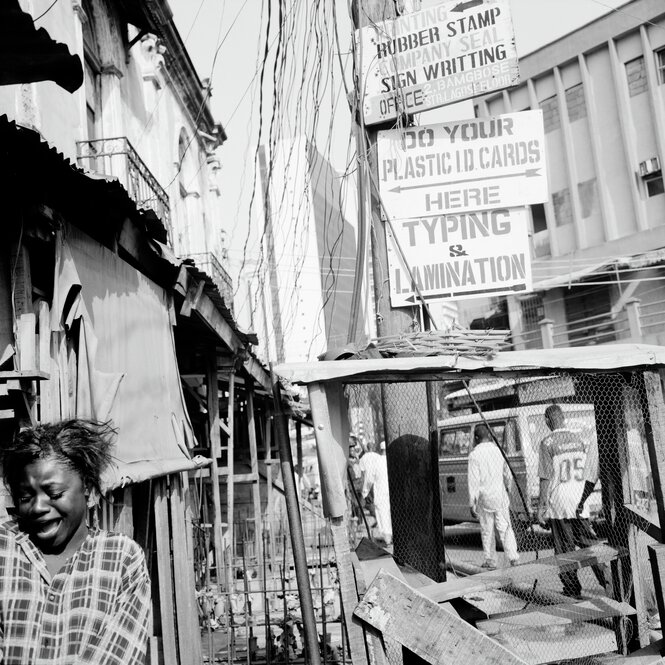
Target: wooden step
559,615
503,577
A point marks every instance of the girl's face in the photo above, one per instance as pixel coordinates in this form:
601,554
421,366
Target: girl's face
51,504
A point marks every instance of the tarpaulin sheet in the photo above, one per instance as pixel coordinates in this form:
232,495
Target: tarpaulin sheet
126,369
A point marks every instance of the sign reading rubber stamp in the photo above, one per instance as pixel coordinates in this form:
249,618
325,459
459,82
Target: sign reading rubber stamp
476,164
436,56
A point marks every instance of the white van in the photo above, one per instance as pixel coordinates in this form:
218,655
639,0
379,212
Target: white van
519,430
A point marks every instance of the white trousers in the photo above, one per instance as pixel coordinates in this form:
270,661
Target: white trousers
499,519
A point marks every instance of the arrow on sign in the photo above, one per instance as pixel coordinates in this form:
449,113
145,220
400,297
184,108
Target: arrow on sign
515,287
463,6
528,173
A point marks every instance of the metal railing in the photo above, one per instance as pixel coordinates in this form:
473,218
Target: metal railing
117,157
209,264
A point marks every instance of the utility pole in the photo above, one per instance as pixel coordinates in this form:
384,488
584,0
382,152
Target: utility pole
409,409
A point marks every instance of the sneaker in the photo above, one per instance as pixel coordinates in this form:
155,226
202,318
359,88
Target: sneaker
514,562
488,564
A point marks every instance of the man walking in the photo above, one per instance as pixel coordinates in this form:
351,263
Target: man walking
563,470
489,501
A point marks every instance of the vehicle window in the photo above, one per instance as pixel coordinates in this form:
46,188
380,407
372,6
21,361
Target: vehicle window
455,441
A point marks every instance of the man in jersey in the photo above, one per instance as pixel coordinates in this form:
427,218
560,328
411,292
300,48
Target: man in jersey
561,466
488,497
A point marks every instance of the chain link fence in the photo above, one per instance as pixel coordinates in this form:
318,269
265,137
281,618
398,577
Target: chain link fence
502,473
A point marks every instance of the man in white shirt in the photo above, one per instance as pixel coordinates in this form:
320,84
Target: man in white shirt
489,501
563,471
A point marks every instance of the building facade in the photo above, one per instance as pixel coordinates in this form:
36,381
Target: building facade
142,116
597,243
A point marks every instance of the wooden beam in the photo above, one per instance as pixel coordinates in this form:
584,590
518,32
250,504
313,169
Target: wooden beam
213,318
542,568
422,626
229,487
643,521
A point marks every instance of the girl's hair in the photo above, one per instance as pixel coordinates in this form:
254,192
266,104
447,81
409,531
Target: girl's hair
84,445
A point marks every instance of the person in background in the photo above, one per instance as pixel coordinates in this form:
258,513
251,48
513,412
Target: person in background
489,478
563,467
375,478
69,594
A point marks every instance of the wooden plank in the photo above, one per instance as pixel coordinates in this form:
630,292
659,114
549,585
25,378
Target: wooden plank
189,635
496,602
422,626
559,615
348,591
556,643
27,342
375,646
164,572
643,521
496,579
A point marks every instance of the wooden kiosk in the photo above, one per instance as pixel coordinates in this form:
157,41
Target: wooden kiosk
613,378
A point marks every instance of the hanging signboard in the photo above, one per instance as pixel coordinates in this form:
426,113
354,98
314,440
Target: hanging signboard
436,56
464,255
476,164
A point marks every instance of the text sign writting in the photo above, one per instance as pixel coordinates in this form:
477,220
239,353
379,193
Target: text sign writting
436,56
476,164
462,255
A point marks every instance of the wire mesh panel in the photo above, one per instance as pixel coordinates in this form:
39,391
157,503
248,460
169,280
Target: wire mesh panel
541,483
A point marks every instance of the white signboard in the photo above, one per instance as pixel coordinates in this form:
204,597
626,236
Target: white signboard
436,56
477,164
464,255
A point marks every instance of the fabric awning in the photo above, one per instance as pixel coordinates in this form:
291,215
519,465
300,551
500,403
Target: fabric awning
118,323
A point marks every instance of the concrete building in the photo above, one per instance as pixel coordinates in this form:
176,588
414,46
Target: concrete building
142,116
299,295
598,244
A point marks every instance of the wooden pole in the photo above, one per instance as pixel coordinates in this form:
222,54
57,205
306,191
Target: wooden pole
256,490
215,445
313,655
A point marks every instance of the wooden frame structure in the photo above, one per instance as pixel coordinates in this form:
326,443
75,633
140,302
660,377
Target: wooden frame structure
325,382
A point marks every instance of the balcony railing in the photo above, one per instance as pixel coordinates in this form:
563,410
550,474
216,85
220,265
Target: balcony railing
208,263
117,157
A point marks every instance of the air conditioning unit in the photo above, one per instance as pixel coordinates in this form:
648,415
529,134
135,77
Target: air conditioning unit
649,166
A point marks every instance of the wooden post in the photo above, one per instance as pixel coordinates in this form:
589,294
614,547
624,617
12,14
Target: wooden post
256,490
215,444
331,431
403,404
230,489
312,655
189,635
